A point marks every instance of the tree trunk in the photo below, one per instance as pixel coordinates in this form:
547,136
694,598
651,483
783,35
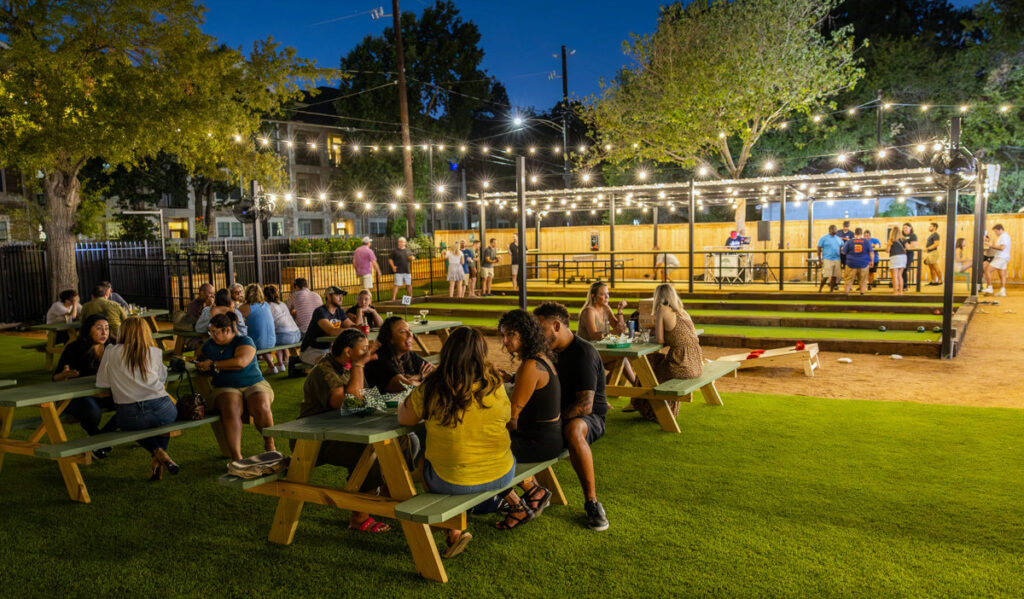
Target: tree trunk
62,193
208,215
200,212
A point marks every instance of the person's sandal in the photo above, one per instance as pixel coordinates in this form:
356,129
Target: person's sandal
458,546
524,513
537,504
371,526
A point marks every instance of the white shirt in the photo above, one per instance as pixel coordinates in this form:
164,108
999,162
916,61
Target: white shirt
672,260
283,321
1004,240
58,312
130,387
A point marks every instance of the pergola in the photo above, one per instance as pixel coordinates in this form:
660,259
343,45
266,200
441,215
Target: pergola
694,195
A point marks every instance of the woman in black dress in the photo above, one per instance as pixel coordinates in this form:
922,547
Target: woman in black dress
81,357
536,425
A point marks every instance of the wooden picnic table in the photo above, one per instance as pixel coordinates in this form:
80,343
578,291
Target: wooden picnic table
440,327
636,356
71,328
51,399
380,434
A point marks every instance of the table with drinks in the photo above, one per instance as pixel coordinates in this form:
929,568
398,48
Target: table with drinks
418,326
71,328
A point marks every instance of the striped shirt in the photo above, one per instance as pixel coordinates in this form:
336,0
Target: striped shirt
303,302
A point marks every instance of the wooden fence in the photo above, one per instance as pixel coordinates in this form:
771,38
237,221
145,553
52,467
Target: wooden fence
674,237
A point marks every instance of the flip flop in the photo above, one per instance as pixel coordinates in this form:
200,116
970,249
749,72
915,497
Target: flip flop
458,546
371,526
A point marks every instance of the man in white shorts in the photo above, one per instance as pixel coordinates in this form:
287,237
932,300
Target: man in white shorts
401,264
828,256
365,263
1000,261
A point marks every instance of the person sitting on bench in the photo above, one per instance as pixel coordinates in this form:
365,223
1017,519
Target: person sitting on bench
327,321
222,304
362,312
237,381
134,372
102,304
396,366
597,320
672,327
536,424
466,411
260,323
82,357
336,376
64,310
286,332
581,382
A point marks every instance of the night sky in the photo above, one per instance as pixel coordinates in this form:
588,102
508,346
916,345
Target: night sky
518,37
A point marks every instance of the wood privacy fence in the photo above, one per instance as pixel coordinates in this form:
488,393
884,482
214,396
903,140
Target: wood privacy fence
673,238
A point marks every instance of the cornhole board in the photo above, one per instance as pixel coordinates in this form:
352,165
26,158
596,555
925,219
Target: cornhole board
780,356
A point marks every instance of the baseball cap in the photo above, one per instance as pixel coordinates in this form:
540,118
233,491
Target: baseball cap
334,290
367,240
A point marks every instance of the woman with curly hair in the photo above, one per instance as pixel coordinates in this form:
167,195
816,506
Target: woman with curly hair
396,366
466,411
536,424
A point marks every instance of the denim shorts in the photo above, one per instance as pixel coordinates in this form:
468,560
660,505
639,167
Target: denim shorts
436,484
288,337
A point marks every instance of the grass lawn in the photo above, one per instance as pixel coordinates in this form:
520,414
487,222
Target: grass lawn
823,301
767,495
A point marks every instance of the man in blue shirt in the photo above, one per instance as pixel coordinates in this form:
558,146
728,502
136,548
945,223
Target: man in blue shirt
828,256
858,259
875,245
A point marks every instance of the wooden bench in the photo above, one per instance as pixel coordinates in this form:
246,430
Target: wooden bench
181,337
86,444
780,356
449,511
682,390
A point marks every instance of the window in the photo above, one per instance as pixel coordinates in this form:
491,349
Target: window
335,147
377,226
306,184
276,227
307,149
342,227
229,227
177,228
5,234
310,226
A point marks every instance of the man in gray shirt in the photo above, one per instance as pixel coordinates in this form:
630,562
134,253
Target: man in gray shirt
401,264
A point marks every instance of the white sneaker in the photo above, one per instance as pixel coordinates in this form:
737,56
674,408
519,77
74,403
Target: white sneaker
987,289
1001,292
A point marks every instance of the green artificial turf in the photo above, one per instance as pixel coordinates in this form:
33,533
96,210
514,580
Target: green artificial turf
499,309
824,300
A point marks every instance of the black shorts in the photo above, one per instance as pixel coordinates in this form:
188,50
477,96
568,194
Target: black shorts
874,267
595,426
987,258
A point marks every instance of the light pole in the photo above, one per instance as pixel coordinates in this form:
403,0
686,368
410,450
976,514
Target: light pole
521,122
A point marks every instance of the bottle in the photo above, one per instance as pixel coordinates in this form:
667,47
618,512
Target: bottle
632,327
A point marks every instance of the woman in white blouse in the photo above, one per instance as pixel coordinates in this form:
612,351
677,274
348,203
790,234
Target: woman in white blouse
135,373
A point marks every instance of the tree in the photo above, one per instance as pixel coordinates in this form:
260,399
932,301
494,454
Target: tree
137,188
123,80
714,78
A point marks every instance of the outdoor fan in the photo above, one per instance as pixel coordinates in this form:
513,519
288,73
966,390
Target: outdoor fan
955,168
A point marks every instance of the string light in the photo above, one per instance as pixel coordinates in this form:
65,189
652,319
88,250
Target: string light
642,175
769,165
841,159
964,108
924,108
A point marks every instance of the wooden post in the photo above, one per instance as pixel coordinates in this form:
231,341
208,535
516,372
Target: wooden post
693,217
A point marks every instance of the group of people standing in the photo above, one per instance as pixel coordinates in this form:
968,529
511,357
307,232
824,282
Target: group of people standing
852,256
467,264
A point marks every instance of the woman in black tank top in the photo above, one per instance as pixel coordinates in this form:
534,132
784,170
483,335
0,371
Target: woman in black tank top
536,425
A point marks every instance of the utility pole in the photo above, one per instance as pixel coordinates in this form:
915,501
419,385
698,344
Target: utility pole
430,159
878,139
565,124
403,108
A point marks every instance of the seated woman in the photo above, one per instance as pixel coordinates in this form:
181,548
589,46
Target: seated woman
334,377
396,366
260,323
536,424
672,327
134,372
82,357
363,312
222,304
237,381
466,411
597,320
286,332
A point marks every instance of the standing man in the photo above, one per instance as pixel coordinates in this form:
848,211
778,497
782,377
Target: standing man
931,255
664,263
1000,261
488,259
302,302
513,256
875,245
328,321
844,235
365,263
828,256
401,264
581,380
858,259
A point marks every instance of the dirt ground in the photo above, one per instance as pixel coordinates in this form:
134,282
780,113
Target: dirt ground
986,373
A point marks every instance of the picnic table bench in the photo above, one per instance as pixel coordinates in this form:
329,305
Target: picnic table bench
415,512
51,348
785,356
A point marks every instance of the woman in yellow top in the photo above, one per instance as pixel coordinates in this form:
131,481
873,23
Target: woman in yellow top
466,411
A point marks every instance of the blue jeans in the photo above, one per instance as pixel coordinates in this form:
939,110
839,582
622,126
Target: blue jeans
89,410
288,337
150,413
436,484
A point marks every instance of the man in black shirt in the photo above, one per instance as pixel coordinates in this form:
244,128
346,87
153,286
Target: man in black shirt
327,321
931,255
845,235
513,256
581,377
401,264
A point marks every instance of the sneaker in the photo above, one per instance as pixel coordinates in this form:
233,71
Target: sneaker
988,289
101,453
596,520
1001,292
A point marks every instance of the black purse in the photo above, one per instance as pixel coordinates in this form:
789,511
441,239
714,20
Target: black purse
191,406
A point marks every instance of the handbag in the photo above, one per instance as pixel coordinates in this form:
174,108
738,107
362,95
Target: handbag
191,406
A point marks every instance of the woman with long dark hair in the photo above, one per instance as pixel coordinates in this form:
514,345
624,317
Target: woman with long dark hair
536,420
82,357
396,366
135,374
466,411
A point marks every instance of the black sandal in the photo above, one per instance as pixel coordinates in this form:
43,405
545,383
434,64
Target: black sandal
537,504
511,521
